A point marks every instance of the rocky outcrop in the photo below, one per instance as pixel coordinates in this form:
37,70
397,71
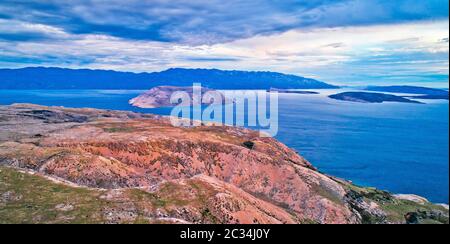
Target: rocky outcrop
235,175
412,198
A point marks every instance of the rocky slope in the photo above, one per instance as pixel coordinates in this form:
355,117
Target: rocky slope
83,165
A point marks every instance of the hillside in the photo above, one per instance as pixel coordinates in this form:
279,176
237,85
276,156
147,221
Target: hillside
62,165
57,78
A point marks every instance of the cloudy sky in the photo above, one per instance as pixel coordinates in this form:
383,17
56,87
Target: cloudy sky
339,41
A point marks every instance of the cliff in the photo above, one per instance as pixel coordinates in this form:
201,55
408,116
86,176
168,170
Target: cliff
63,165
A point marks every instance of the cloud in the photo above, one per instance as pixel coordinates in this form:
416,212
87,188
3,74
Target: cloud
338,55
14,30
199,22
339,41
211,59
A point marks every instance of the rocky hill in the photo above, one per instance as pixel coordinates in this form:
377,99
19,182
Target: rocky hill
63,165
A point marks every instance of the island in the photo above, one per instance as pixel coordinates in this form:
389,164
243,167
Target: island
160,97
370,97
432,92
430,97
61,165
288,91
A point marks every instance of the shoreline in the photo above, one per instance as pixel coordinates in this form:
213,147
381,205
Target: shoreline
209,123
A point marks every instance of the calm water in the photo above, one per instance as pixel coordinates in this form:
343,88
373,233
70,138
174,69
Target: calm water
402,148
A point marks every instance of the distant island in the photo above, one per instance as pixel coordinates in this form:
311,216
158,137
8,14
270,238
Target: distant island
432,93
430,97
292,91
160,97
58,78
370,97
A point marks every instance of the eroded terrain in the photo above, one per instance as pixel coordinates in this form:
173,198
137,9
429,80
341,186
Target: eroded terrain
62,165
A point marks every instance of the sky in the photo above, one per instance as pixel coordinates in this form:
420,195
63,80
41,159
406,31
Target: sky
343,42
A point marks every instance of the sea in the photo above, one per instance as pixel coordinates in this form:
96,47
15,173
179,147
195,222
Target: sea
398,147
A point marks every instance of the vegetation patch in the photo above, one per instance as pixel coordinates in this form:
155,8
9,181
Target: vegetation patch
28,198
399,211
402,210
322,191
140,196
249,144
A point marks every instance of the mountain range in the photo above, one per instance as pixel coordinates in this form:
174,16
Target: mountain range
59,78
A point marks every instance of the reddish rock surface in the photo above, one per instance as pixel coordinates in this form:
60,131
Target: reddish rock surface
268,183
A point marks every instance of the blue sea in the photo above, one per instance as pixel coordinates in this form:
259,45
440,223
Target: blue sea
402,148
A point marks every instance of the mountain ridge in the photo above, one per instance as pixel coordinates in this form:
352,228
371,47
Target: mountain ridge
64,78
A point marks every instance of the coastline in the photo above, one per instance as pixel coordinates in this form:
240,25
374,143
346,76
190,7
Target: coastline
91,152
330,158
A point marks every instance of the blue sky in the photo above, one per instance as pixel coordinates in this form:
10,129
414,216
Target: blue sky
338,41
